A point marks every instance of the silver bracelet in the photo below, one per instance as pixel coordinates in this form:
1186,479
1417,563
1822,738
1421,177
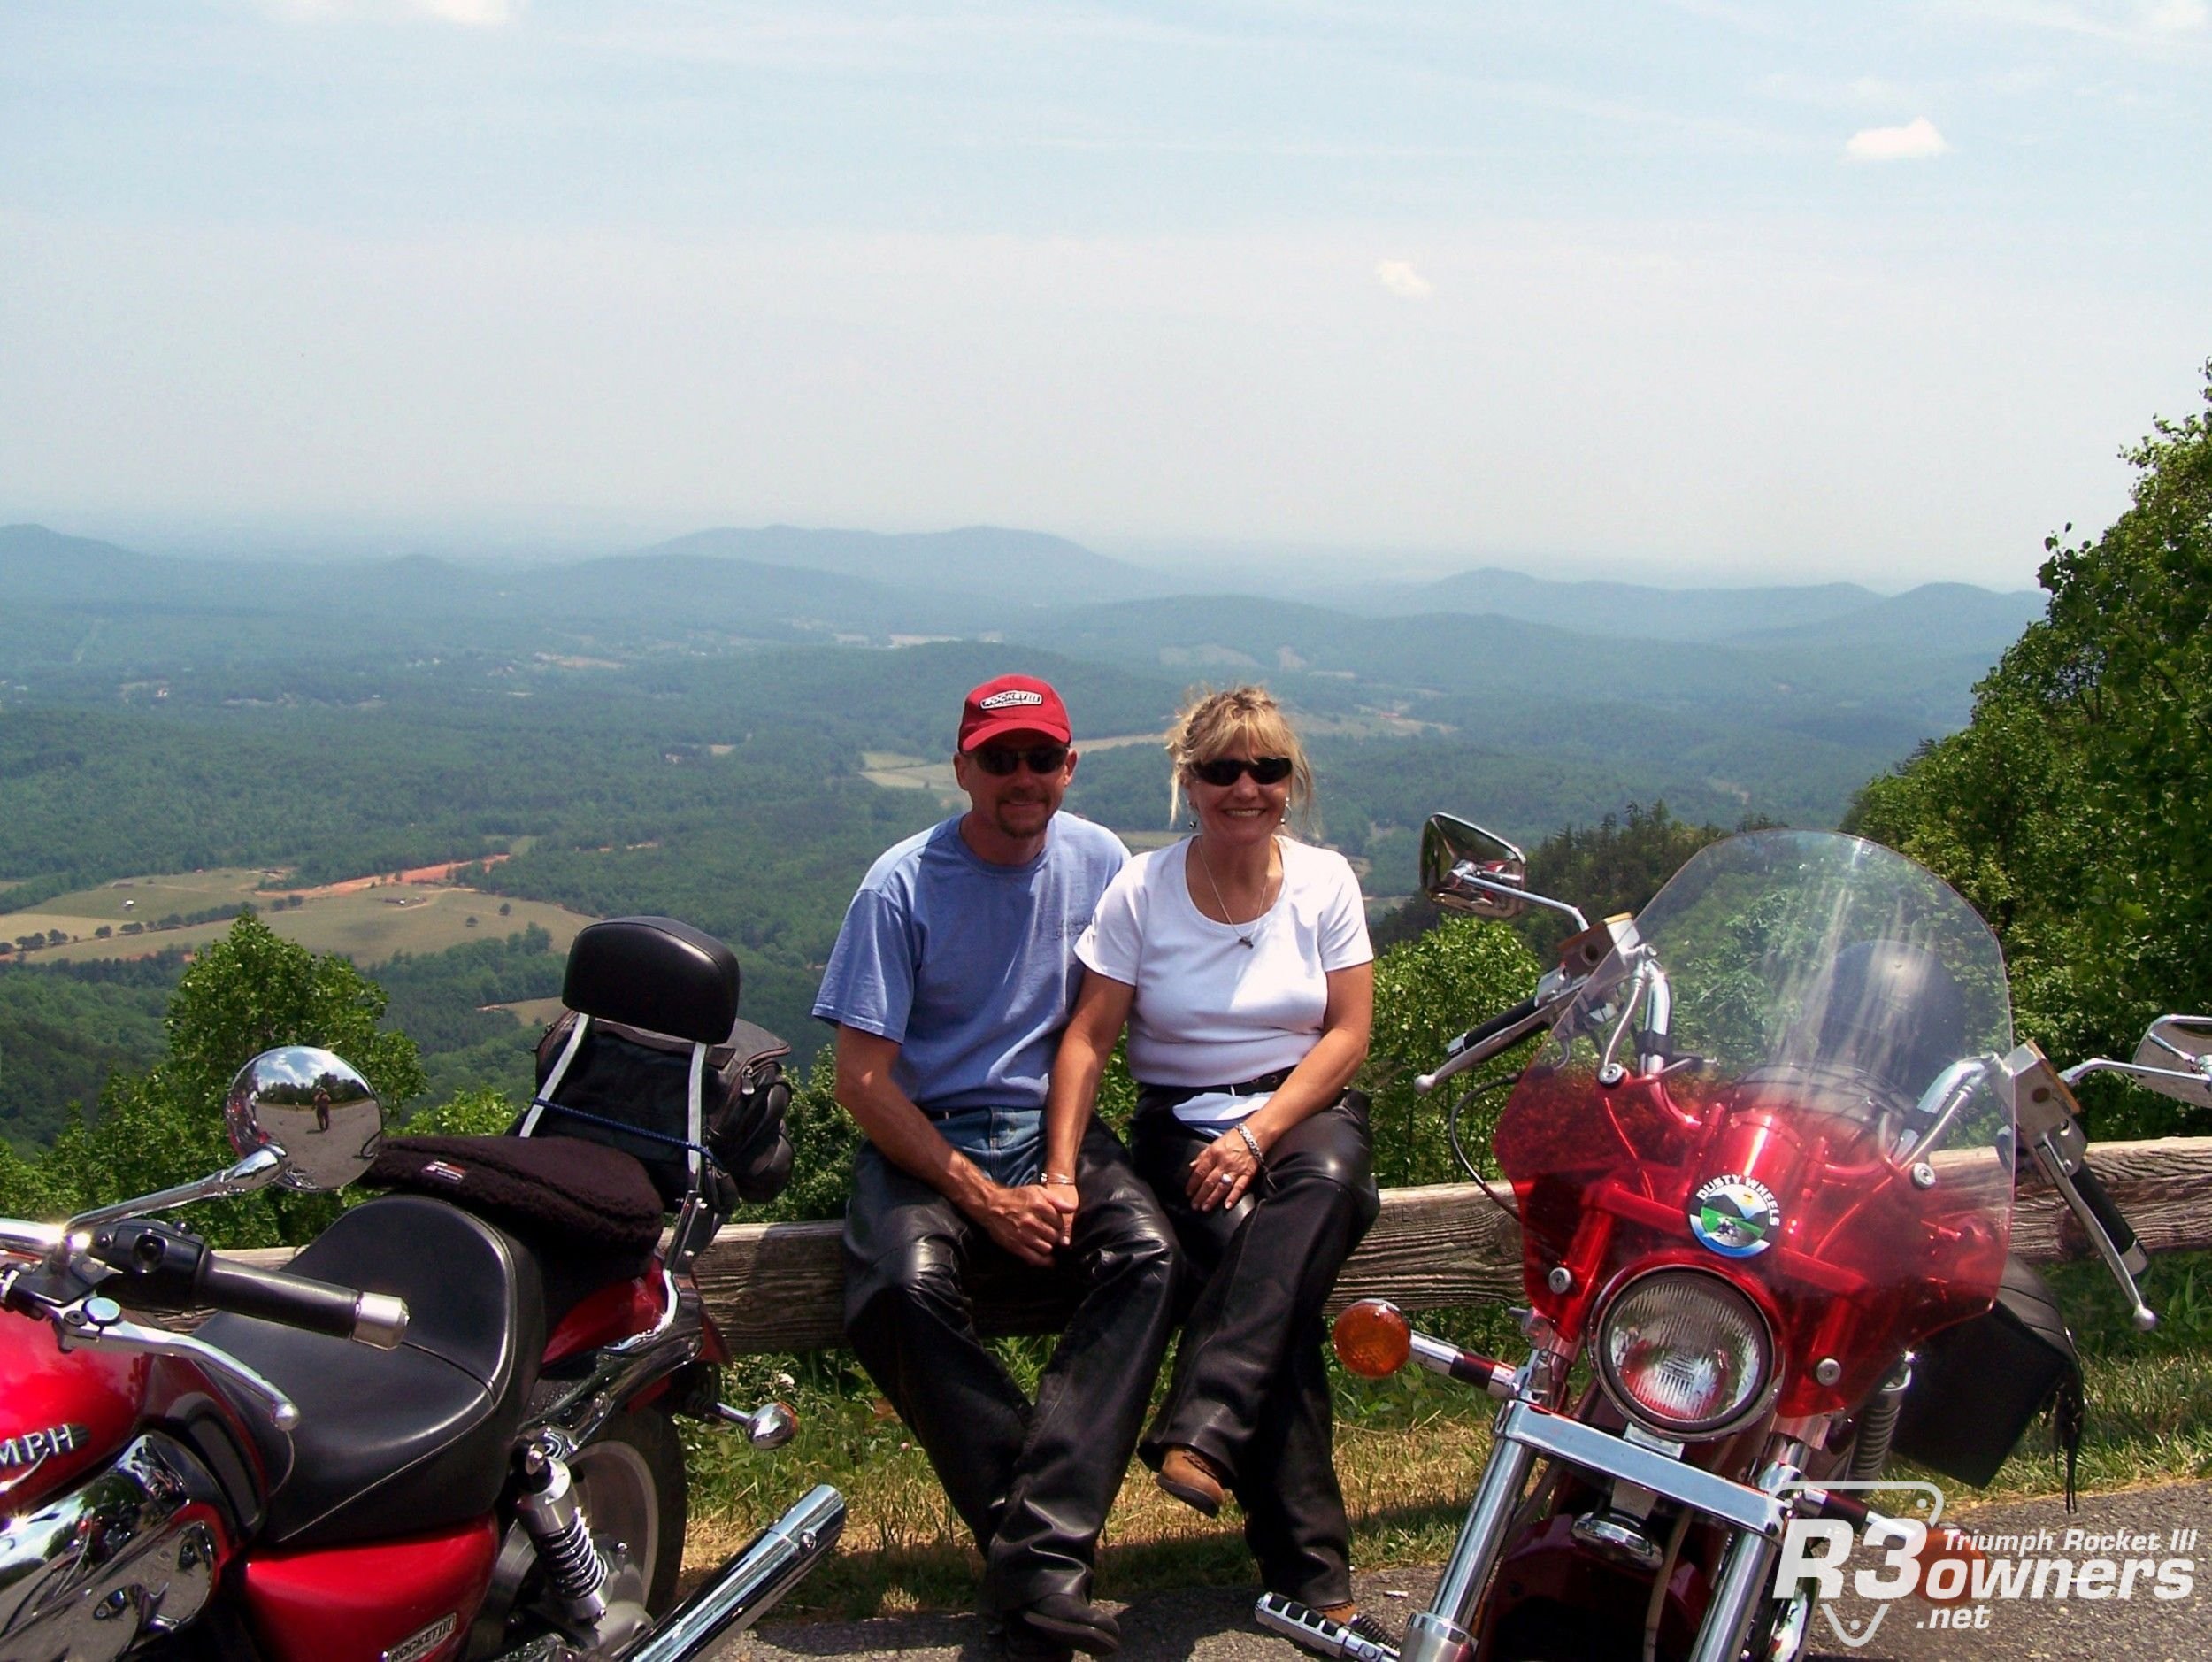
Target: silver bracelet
1253,1144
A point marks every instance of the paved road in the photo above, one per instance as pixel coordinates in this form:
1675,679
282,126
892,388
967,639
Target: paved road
1214,1624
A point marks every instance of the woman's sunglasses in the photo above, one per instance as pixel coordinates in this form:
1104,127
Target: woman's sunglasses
1226,770
1001,760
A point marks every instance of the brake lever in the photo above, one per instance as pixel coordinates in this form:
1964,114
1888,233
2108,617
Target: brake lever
98,1324
2050,1120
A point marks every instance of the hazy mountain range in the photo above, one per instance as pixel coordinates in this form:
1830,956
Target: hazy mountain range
977,581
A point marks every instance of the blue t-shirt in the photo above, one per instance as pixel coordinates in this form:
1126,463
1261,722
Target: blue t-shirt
970,968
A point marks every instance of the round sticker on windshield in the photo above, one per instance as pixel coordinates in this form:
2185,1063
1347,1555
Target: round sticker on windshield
1736,1217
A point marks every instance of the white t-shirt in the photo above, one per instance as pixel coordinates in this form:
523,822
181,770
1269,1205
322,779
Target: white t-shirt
1210,1010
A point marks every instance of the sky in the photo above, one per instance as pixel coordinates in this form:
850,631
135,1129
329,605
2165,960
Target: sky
1669,290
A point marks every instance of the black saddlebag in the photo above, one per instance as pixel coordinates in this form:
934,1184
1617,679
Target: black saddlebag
643,990
1978,1387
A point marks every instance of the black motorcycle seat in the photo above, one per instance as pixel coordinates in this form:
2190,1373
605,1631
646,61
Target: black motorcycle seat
392,1442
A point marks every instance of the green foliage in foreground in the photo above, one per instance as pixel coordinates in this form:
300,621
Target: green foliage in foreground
2069,812
250,991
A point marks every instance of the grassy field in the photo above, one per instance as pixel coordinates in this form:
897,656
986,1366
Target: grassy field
1407,1452
896,772
367,924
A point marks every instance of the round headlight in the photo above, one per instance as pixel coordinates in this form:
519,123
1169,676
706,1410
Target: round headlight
1684,1353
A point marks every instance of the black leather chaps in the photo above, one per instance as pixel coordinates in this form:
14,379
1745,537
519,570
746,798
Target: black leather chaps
1251,1385
1032,1481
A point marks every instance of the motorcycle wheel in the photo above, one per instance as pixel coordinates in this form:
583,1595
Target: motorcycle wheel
631,1479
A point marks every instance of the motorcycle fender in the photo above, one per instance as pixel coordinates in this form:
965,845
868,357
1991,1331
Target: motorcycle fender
1552,1591
410,1600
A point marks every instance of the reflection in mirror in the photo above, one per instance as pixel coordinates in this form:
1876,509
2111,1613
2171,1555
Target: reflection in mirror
311,1108
2180,1049
1459,859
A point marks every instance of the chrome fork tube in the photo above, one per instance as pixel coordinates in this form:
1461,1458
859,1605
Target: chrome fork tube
1747,1567
1745,1571
1441,1634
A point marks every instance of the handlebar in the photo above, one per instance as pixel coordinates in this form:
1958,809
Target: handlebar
377,1319
1479,1043
163,1267
2091,1189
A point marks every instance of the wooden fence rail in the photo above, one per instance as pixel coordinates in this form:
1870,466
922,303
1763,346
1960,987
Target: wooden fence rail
778,1286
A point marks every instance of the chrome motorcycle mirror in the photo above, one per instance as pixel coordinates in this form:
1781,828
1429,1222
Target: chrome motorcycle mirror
2175,1056
310,1109
1467,869
2174,1059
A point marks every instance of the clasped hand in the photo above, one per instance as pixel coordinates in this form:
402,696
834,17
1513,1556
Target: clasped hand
1031,1220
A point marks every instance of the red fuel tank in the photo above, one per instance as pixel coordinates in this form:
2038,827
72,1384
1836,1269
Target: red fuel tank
62,1413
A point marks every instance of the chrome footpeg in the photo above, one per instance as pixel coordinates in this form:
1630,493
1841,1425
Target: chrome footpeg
769,1426
1317,1632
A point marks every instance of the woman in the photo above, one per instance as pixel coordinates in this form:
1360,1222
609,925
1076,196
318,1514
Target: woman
1239,960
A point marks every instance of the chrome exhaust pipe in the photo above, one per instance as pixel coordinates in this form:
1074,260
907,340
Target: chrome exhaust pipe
749,1586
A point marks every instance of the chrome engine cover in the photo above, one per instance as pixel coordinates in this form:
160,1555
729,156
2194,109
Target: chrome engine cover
132,1550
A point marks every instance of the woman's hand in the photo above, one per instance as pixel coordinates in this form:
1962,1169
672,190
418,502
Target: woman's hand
1070,1201
1102,1008
1223,1172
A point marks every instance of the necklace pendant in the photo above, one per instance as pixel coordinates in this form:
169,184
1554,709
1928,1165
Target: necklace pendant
1245,940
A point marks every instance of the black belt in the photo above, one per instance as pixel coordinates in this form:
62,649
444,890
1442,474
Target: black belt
1152,1099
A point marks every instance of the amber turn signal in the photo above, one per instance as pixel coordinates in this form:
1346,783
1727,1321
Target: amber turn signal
1373,1338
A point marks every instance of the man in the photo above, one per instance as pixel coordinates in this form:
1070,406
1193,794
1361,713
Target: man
951,980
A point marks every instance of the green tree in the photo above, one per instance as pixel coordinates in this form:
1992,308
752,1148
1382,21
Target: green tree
1426,991
2069,810
248,992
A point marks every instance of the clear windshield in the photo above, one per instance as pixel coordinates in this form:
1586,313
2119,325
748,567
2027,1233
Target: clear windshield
1789,1071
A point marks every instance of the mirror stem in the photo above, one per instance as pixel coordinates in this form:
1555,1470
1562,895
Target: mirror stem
1509,892
258,1170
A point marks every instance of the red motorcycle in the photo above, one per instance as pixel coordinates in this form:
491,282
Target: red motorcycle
443,1430
1763,1158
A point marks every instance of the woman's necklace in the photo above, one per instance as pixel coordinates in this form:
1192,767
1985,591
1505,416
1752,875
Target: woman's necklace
1245,930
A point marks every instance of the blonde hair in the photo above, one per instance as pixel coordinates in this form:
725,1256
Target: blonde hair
1248,718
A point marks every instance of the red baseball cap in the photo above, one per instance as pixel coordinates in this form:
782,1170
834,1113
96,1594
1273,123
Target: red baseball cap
1012,703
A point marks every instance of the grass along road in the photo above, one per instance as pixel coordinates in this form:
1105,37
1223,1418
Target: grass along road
1407,1452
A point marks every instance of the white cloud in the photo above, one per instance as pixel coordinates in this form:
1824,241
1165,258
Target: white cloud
1401,280
2158,27
2177,17
470,13
1915,141
1873,90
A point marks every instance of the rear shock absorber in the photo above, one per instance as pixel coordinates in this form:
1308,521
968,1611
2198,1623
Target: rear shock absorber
553,1514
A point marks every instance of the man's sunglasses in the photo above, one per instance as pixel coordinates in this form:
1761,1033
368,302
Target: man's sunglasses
1001,760
1226,770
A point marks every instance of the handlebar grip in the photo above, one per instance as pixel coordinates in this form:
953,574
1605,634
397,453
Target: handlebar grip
373,1319
1496,1024
2090,1188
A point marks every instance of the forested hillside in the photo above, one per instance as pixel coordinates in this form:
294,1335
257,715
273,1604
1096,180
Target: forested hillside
705,729
2071,808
